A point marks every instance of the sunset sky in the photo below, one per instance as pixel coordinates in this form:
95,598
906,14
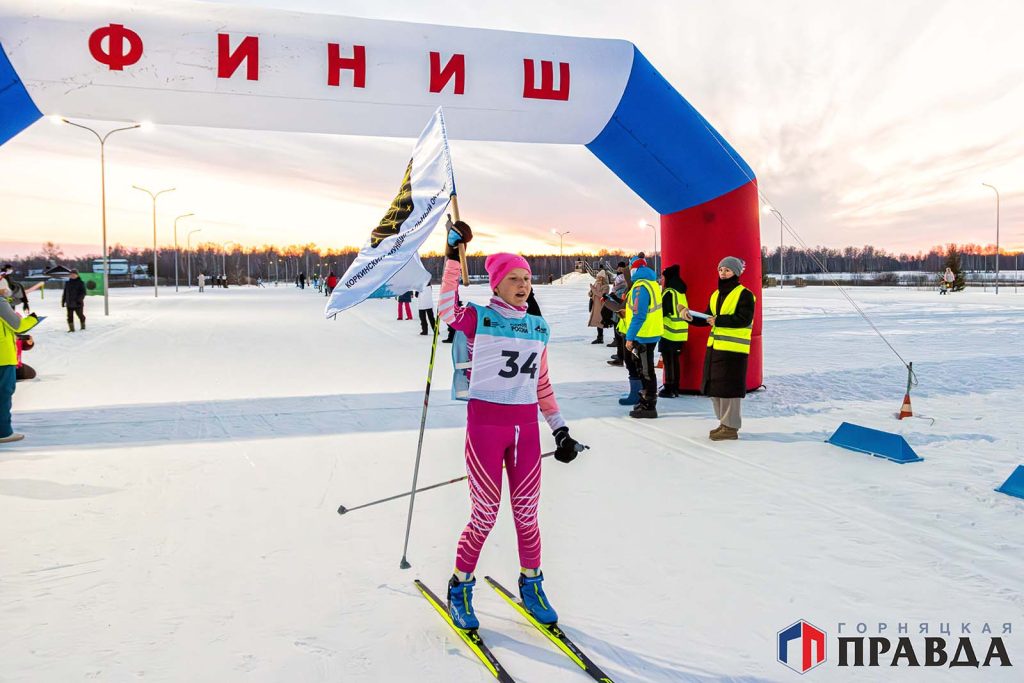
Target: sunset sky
867,122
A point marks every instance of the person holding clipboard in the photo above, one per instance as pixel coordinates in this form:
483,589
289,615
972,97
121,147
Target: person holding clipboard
11,325
730,315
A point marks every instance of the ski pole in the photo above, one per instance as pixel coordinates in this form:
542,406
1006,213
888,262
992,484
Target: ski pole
404,564
342,509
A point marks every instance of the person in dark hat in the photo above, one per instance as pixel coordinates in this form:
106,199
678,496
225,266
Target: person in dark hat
673,303
73,299
614,302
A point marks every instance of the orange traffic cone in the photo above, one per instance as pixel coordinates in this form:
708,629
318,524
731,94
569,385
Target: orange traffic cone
661,363
905,410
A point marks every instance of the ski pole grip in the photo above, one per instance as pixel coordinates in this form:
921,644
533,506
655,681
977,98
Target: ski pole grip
462,245
462,262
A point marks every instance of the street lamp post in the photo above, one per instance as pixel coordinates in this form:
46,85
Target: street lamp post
103,199
184,215
644,224
156,268
188,248
782,271
561,263
997,233
224,258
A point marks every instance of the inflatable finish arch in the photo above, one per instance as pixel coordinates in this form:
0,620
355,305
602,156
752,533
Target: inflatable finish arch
221,66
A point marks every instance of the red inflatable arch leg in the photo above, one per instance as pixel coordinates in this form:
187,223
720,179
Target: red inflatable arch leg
697,239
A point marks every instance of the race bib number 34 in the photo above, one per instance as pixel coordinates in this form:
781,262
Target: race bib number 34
505,369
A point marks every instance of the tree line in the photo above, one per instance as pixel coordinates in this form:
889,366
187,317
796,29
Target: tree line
869,259
285,263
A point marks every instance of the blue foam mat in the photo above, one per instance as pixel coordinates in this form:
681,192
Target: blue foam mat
874,442
1014,484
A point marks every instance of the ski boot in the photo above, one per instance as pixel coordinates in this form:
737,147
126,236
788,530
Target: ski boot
531,590
460,603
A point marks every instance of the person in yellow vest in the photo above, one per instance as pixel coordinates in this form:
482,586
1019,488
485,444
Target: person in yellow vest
643,328
673,303
11,325
731,318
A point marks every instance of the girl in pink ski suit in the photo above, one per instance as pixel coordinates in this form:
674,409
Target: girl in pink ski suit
501,368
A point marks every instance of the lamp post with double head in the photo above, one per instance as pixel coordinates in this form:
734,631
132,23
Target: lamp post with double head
103,198
645,224
224,258
997,233
188,257
775,212
184,215
156,260
561,264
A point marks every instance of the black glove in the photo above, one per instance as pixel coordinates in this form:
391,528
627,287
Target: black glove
567,448
457,233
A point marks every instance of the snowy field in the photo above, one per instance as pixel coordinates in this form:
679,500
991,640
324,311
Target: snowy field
171,514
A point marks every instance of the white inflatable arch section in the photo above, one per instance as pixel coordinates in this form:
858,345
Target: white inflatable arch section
230,67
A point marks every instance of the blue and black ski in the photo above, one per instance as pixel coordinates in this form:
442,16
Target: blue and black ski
470,637
555,634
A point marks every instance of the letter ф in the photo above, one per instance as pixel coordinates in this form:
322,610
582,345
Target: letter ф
115,57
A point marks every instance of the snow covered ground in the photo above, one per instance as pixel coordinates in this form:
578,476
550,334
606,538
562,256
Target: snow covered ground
171,515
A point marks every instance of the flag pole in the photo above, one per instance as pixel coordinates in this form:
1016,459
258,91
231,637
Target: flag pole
404,564
462,245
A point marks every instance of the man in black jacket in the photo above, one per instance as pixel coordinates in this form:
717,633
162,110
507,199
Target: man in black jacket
74,299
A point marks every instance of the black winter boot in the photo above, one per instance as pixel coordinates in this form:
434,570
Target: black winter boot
645,409
668,391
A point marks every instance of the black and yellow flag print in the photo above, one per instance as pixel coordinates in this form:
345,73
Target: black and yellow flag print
401,208
388,263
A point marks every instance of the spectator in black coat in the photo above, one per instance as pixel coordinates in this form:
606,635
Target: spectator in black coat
73,299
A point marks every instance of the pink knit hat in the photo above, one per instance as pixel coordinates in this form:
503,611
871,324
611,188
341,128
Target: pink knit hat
499,265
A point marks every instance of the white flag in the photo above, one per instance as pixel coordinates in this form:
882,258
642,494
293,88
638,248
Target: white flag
426,191
413,277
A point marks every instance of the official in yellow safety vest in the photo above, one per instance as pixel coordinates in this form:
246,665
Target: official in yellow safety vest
731,318
643,327
673,303
11,325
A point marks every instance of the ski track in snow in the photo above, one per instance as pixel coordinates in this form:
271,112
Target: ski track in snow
171,515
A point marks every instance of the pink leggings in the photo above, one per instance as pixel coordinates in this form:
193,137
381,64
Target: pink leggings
488,446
